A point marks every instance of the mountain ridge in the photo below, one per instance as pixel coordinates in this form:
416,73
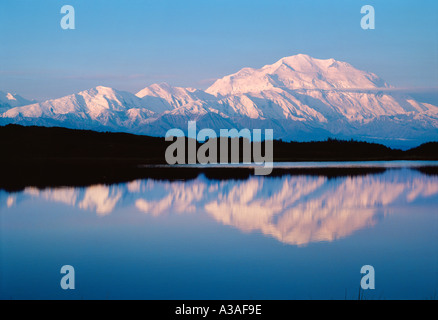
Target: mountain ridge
11,100
300,97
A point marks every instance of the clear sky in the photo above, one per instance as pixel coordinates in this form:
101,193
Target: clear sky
131,44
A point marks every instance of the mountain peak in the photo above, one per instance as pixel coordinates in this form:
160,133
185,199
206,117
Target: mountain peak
303,61
297,57
10,100
10,96
158,90
296,72
101,90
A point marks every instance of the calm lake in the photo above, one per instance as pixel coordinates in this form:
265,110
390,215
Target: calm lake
285,237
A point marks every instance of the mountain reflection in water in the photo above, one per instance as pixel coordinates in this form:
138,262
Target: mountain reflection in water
295,210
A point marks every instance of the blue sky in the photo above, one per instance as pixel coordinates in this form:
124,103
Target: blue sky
131,44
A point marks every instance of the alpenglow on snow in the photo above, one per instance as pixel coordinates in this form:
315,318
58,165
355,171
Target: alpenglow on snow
301,98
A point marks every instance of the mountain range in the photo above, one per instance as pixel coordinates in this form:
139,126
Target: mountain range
301,98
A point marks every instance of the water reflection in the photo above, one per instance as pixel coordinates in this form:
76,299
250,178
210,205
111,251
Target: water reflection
295,210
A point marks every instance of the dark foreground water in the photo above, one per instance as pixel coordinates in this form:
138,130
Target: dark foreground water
288,237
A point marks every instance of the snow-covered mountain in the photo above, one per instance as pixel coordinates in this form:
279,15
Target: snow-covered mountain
163,97
9,100
300,97
297,72
97,108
